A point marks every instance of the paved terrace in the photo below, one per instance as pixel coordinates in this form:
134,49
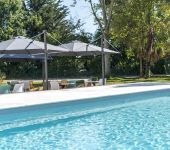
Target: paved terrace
43,97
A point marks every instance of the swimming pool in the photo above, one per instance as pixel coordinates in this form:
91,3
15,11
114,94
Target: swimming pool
131,121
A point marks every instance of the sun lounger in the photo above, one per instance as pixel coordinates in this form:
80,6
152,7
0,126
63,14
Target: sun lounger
18,88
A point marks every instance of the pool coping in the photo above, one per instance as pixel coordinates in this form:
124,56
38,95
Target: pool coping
17,100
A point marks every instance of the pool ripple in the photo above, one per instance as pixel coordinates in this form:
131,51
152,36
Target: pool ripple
138,125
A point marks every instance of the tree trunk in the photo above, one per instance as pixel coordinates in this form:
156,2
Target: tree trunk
107,17
107,59
141,66
107,65
104,24
148,70
141,52
149,52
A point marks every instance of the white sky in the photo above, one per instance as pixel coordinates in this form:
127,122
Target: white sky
82,11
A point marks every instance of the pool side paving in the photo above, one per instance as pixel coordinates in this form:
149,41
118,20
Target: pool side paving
44,97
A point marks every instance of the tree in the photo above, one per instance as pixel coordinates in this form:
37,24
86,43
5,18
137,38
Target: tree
12,17
104,20
49,15
103,11
28,18
143,29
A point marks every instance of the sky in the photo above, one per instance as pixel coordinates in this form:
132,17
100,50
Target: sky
82,11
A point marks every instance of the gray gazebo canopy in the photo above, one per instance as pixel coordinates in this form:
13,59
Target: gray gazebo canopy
78,48
23,45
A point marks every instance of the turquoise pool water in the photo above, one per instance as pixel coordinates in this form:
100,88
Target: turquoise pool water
134,121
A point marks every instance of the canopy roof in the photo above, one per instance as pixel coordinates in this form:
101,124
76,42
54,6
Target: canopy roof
78,48
23,45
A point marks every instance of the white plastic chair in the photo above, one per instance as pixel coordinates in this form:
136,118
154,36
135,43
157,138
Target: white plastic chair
18,88
54,85
101,82
88,82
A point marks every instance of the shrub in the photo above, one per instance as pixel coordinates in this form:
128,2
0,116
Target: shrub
2,76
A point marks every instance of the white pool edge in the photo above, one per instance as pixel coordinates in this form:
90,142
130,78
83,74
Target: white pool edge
46,97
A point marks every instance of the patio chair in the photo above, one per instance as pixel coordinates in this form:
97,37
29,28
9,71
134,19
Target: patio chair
80,83
4,89
92,81
31,84
12,84
71,84
87,82
64,84
101,81
18,88
54,85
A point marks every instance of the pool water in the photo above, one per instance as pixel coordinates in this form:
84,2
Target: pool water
131,121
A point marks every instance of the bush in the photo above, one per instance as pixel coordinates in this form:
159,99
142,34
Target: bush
2,76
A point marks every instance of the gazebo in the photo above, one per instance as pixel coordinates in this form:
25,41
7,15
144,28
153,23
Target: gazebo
24,48
28,47
78,48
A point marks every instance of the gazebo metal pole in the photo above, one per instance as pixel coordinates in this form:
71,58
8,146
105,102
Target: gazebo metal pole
103,59
45,60
43,73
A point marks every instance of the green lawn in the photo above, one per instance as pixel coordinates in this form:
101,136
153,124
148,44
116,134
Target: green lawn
117,80
37,85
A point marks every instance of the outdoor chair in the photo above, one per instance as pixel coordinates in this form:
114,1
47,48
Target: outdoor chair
12,84
4,89
92,81
64,84
80,83
18,88
71,84
31,84
54,85
88,82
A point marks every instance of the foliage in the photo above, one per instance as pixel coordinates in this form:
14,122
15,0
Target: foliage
2,76
132,25
12,19
49,15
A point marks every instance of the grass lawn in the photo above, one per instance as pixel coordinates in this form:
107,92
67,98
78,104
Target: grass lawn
117,80
38,86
